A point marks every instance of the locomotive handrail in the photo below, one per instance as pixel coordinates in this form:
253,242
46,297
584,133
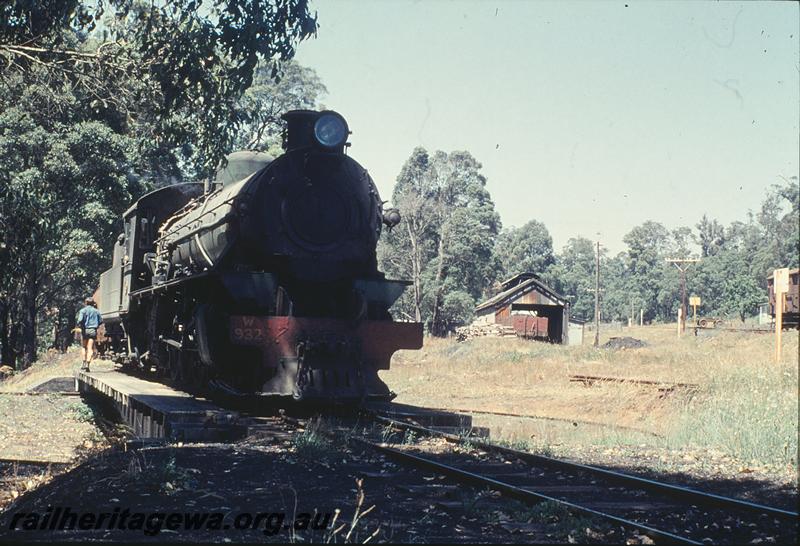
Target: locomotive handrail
202,214
168,284
199,229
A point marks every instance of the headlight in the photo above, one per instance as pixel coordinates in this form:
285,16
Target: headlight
330,130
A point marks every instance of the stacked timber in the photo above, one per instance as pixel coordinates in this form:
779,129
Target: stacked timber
484,330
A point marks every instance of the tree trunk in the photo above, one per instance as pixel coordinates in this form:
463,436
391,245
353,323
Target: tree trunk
13,337
5,348
416,272
66,323
29,319
438,329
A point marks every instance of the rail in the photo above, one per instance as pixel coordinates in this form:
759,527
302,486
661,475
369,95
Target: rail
675,491
549,418
513,491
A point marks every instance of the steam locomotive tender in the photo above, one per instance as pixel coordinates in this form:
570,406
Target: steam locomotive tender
266,282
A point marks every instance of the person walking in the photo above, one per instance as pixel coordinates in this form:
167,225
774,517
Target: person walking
89,320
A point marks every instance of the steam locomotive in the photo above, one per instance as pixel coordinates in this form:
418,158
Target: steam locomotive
265,281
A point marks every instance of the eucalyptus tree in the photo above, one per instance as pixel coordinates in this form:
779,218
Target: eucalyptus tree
445,244
175,69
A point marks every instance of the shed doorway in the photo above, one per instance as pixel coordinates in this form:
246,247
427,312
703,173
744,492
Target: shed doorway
554,315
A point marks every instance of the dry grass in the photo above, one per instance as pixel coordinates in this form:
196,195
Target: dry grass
746,406
51,364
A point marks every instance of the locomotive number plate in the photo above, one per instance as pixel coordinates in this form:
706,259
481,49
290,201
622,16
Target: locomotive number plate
247,330
248,334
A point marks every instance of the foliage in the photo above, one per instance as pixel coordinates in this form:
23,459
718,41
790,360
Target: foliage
313,443
63,184
574,276
191,62
299,88
445,244
526,249
711,235
647,245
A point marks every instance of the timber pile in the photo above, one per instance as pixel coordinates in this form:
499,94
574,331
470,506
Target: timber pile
484,330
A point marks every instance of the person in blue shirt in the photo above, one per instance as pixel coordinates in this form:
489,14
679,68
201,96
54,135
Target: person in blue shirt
89,320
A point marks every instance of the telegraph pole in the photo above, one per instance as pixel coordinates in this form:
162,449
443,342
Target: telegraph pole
597,297
682,264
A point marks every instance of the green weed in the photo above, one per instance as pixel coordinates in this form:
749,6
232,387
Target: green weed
160,477
83,413
313,443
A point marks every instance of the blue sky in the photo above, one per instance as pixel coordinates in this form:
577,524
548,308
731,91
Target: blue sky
590,117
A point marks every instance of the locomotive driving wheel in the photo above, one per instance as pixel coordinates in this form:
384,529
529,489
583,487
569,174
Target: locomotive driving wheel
193,372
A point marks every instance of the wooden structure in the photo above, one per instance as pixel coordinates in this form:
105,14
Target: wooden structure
531,307
791,306
155,410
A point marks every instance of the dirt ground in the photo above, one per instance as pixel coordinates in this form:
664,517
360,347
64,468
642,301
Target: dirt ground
243,479
44,433
267,488
46,426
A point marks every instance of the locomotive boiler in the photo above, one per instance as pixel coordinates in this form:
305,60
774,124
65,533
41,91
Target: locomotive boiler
264,281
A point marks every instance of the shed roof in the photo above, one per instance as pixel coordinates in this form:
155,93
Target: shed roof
518,278
525,282
794,271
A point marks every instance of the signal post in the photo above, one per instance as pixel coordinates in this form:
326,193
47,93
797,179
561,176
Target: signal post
694,301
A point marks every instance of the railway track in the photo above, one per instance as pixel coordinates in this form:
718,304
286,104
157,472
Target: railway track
664,512
574,422
589,380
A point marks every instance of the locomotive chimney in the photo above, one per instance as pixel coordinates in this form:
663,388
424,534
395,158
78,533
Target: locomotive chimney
326,131
299,129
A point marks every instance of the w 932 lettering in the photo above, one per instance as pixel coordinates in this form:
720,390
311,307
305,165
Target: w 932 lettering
247,334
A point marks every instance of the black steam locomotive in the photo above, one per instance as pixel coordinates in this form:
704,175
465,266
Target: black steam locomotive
264,281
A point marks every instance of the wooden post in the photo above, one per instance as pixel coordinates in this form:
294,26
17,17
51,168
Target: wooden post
780,285
694,301
779,297
681,264
630,316
597,299
680,322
